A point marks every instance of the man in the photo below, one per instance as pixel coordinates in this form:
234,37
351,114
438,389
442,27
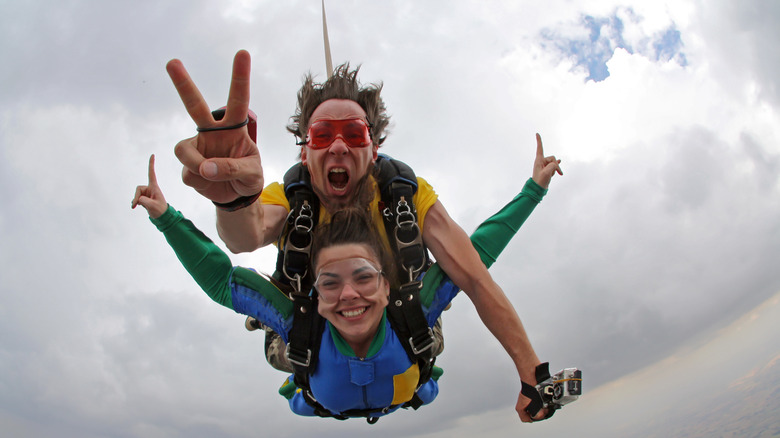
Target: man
223,164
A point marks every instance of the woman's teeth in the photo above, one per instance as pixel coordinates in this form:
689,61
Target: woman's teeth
353,312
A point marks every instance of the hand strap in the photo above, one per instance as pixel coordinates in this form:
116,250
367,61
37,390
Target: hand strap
537,403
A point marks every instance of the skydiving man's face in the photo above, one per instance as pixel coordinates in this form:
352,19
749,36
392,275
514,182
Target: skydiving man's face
338,150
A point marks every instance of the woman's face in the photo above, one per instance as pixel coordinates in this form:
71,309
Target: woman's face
352,298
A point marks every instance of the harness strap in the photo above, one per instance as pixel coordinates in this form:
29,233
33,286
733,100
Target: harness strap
299,350
390,170
406,232
304,343
398,184
405,313
368,414
292,262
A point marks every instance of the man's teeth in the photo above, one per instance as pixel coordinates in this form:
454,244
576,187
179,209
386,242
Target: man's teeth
353,313
338,178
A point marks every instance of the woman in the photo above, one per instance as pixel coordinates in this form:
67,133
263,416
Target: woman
363,368
362,364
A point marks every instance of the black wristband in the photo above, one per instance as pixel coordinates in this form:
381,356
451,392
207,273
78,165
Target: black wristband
238,203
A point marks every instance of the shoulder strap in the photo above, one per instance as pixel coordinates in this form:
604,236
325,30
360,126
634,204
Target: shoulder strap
397,186
295,240
390,170
292,265
295,178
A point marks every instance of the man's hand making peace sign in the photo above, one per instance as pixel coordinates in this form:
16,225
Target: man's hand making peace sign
222,161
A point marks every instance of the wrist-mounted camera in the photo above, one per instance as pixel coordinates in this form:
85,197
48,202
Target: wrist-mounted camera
552,392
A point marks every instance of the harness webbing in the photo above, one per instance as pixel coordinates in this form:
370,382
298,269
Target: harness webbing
405,308
398,184
295,250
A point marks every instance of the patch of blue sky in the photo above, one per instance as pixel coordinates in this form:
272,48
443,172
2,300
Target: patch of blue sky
668,46
593,48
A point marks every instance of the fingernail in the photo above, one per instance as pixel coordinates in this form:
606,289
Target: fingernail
209,170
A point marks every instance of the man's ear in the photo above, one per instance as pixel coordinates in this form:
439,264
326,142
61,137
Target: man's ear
375,153
303,156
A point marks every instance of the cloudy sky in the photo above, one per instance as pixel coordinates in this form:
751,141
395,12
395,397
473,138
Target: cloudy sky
652,259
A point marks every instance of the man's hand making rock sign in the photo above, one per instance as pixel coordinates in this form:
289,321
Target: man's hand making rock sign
222,161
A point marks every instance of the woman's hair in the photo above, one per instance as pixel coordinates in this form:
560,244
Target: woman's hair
353,226
343,84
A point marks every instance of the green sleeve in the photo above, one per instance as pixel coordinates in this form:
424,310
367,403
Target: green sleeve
493,235
207,264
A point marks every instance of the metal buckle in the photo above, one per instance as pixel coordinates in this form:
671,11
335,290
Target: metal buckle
305,221
295,360
406,222
302,225
428,345
404,215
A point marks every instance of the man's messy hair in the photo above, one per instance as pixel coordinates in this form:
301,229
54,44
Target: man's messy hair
343,84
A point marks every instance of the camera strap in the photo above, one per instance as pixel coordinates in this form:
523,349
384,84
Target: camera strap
537,403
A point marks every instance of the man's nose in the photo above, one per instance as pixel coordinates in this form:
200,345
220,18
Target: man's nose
339,146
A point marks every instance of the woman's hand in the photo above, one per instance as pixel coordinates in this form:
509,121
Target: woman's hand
150,196
544,167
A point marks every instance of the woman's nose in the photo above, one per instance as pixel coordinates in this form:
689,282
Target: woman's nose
348,292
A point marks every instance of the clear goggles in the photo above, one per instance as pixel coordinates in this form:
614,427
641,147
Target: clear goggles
359,273
354,132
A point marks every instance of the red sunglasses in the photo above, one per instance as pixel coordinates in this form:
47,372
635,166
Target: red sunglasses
354,132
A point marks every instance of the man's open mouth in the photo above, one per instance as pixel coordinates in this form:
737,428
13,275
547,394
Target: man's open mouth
338,179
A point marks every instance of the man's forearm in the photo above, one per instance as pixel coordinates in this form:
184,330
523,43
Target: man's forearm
241,230
459,259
